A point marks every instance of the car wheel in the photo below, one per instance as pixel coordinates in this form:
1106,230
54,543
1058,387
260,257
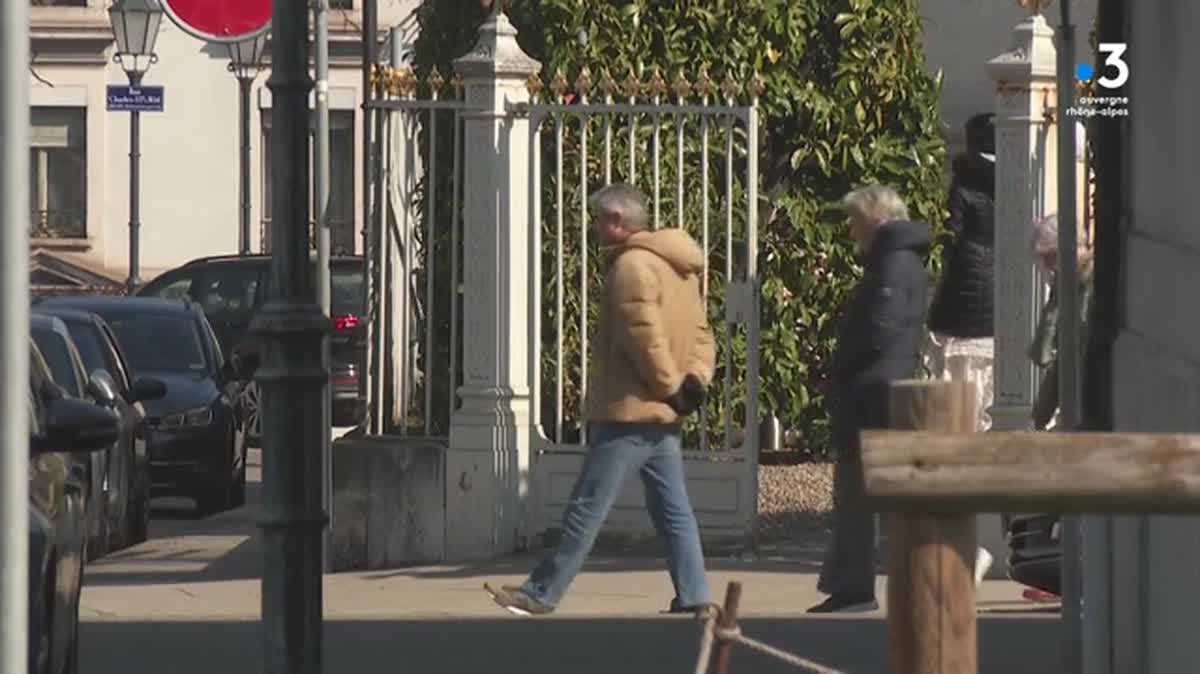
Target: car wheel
137,511
238,498
250,399
220,496
97,528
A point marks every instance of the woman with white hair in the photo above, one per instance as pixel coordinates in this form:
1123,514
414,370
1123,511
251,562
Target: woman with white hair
879,341
1044,351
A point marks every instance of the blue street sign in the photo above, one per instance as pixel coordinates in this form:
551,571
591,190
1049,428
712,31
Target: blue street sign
122,98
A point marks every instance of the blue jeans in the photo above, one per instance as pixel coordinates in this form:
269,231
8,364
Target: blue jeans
616,449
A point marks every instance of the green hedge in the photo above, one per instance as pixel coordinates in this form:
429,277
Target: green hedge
846,102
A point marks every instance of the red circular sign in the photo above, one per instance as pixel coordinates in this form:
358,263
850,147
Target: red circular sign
220,20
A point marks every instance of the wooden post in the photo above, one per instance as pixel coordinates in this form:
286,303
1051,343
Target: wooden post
733,596
931,584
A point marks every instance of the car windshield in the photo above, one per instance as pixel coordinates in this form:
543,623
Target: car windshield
58,357
159,343
347,292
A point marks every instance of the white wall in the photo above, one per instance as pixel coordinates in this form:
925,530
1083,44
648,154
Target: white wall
1156,560
189,162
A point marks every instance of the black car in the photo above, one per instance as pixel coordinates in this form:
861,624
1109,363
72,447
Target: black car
232,288
66,368
197,439
122,495
61,428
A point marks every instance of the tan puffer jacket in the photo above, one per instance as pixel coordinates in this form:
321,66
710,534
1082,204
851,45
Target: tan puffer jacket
653,328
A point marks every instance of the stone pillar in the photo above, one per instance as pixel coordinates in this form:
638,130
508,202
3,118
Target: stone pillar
487,467
1025,86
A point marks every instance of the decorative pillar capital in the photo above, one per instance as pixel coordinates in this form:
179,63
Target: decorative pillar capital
496,54
1031,58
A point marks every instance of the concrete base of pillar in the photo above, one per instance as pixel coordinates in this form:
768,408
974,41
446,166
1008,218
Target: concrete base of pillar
388,502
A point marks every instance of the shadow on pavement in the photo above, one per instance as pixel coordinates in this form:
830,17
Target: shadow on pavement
558,645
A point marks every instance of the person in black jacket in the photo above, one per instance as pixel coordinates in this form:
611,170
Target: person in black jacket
963,306
961,316
879,341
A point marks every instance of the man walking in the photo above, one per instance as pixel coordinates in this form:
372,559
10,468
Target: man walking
878,342
653,360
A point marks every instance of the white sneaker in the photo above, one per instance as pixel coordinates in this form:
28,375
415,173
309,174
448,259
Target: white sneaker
983,563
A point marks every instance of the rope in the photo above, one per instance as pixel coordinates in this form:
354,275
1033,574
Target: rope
707,637
713,633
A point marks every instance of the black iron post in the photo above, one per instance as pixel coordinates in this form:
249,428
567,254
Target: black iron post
135,179
292,377
244,85
370,31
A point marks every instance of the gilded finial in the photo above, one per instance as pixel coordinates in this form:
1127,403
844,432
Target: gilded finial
559,84
583,85
632,85
757,86
657,86
730,86
608,86
403,82
457,84
379,78
435,81
1033,6
534,85
681,86
705,86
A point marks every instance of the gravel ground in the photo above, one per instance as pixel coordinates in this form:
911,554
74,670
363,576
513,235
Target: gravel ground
794,502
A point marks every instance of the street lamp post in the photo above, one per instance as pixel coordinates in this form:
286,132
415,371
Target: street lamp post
135,29
245,62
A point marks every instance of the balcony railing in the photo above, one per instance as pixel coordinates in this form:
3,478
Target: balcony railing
57,225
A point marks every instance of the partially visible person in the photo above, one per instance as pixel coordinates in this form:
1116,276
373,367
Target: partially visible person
1044,349
879,341
961,319
653,360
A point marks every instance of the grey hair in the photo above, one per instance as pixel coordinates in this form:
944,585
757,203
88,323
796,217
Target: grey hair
876,201
625,199
1045,235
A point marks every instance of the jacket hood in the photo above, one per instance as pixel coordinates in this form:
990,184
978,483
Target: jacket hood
903,235
976,172
673,245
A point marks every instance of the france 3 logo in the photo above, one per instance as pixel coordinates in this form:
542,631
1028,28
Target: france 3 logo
1114,58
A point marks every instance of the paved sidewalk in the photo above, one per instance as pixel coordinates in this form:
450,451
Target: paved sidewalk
189,601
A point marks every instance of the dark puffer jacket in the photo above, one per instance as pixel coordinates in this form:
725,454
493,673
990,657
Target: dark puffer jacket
880,333
963,306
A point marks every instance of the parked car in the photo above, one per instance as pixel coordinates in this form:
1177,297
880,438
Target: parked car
61,429
232,288
122,494
197,439
1035,553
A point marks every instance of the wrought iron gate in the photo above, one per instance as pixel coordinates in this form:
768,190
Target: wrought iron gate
588,144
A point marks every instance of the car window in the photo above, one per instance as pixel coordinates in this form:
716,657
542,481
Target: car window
58,357
347,293
94,351
159,343
120,370
227,288
174,286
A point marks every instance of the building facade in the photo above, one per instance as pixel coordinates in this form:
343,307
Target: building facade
79,152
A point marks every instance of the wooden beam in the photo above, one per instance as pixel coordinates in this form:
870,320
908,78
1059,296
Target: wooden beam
930,586
1025,471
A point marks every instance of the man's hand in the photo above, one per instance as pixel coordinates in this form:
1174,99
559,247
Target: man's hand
689,397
